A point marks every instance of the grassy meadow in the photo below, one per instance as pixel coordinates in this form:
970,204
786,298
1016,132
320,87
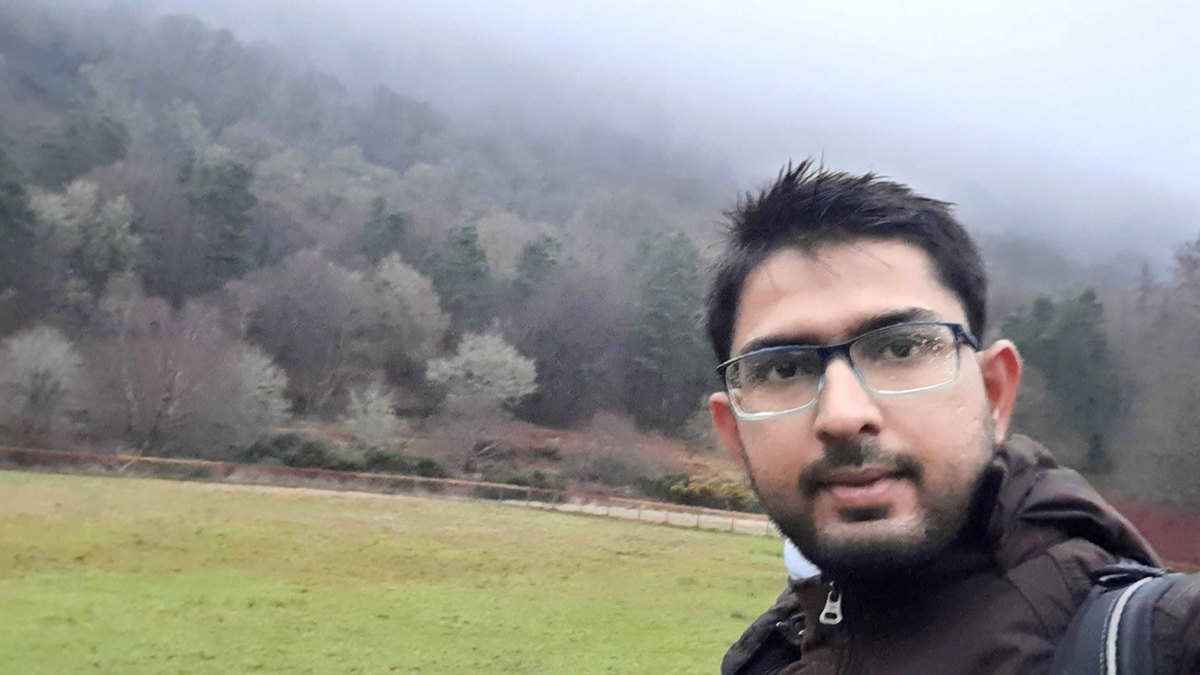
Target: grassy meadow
131,576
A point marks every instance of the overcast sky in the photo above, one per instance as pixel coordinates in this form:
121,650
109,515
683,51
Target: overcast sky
1032,111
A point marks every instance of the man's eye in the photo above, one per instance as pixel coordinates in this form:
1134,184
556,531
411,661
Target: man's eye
900,349
783,370
905,348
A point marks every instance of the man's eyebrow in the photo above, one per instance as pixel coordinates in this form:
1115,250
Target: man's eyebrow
908,315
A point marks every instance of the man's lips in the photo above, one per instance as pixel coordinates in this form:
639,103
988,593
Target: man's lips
857,476
861,487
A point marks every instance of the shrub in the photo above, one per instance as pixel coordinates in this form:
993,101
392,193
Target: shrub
394,462
429,468
532,478
660,487
714,492
547,452
272,448
379,461
292,450
518,479
314,455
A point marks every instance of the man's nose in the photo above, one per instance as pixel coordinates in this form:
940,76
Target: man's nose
846,410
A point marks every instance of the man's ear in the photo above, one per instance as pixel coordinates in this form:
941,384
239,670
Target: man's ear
725,424
1000,365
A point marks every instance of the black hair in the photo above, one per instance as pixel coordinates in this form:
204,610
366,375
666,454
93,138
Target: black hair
808,206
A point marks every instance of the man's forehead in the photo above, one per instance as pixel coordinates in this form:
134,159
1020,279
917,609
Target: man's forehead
838,264
822,295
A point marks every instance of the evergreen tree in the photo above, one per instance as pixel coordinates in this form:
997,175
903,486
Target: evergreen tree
81,145
461,276
670,370
199,232
1067,344
538,260
383,233
220,194
17,224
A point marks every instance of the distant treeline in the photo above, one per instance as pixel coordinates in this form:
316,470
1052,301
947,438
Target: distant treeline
200,240
206,239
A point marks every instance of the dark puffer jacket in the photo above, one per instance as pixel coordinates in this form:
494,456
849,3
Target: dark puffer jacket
997,603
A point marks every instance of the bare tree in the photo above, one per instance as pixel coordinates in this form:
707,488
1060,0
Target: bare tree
313,317
329,326
39,370
370,416
574,327
174,382
400,283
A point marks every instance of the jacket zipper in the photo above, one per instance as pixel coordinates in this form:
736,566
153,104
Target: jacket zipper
832,614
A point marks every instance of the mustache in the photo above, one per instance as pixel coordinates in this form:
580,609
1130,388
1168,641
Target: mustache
854,454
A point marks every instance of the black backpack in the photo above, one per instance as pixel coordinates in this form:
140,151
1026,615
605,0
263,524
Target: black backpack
1110,633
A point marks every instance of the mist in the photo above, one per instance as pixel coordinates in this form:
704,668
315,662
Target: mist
1077,127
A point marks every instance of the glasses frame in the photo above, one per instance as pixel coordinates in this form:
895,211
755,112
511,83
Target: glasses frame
827,353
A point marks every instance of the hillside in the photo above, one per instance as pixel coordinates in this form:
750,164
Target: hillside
211,248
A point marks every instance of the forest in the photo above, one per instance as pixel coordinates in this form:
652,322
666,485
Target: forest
211,250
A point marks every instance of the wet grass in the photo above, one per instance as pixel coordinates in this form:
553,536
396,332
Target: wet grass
129,576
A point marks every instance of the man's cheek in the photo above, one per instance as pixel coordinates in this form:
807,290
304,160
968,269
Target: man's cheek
780,448
907,503
778,489
779,485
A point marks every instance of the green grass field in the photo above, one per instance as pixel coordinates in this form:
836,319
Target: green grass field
128,576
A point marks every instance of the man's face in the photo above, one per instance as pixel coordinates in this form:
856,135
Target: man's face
862,482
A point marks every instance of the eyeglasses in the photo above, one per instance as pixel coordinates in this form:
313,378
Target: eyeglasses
903,359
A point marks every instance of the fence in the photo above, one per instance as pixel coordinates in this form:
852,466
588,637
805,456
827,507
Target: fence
664,513
1176,534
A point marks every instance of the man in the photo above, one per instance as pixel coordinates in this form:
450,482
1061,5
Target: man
872,422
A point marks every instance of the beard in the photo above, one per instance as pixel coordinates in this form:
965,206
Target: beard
866,543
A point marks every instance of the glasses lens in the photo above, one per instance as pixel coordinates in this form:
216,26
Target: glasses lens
907,358
774,380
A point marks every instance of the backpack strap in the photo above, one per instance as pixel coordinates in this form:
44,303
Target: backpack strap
1110,634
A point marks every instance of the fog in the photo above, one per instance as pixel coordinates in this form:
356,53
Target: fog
1077,123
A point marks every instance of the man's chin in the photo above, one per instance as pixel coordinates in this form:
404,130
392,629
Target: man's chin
861,546
889,536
